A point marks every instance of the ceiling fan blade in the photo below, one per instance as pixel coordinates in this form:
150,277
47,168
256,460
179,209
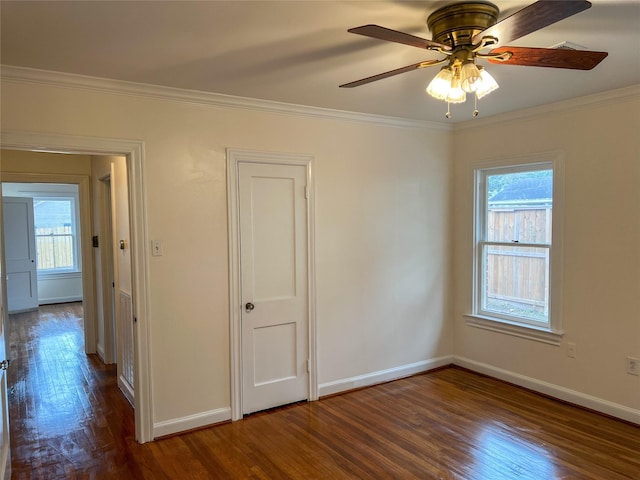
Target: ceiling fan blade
382,33
534,17
391,73
550,57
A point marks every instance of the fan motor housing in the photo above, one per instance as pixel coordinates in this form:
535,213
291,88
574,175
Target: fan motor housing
457,24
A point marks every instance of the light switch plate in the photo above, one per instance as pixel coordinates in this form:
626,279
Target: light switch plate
156,248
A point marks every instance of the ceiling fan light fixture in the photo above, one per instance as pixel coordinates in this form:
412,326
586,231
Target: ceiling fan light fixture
487,84
470,79
454,81
460,30
441,84
456,95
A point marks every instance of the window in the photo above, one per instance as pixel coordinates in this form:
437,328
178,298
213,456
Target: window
56,234
516,259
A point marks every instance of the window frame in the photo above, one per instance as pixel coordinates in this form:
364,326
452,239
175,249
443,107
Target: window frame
547,332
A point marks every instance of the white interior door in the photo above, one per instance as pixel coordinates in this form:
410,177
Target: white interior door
273,258
5,458
20,251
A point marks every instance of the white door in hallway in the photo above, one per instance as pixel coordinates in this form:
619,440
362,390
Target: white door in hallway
273,258
20,251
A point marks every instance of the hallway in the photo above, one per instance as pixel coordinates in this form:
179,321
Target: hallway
66,412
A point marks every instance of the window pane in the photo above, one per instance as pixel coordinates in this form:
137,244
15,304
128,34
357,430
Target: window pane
519,207
516,281
54,233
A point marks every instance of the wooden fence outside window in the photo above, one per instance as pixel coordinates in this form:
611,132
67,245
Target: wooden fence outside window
518,276
55,247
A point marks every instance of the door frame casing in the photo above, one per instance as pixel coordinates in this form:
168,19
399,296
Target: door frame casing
134,153
234,158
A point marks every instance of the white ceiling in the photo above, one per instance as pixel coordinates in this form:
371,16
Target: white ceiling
299,51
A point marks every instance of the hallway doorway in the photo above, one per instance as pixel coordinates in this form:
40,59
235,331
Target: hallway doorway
134,153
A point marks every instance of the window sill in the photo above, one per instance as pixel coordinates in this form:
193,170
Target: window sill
518,330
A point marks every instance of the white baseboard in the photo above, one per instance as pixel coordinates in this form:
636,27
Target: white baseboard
177,425
190,422
127,390
100,352
54,300
373,378
572,396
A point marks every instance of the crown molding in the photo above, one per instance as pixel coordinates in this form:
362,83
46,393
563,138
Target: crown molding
587,101
24,75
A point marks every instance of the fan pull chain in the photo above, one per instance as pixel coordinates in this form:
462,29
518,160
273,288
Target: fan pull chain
476,112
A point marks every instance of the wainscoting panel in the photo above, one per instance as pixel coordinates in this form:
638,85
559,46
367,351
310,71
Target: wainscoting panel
126,364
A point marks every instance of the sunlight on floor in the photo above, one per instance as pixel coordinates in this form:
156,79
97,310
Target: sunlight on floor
501,449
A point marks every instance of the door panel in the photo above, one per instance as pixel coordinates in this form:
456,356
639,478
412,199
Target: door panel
273,225
20,251
277,343
273,257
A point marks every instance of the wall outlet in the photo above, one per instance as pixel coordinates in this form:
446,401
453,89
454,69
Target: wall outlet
633,366
571,350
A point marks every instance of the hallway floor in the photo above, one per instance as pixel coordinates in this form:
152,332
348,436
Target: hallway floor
66,412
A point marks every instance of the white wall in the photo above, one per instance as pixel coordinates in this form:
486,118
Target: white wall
601,266
383,231
60,288
385,220
121,230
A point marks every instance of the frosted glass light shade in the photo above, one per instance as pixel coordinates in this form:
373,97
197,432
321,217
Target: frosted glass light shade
487,84
456,95
470,78
441,83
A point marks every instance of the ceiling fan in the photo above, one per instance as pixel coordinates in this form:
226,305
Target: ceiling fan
460,31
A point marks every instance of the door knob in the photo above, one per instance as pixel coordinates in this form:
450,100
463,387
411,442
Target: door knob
4,364
249,306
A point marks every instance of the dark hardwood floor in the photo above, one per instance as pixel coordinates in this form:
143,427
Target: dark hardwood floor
67,416
68,420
